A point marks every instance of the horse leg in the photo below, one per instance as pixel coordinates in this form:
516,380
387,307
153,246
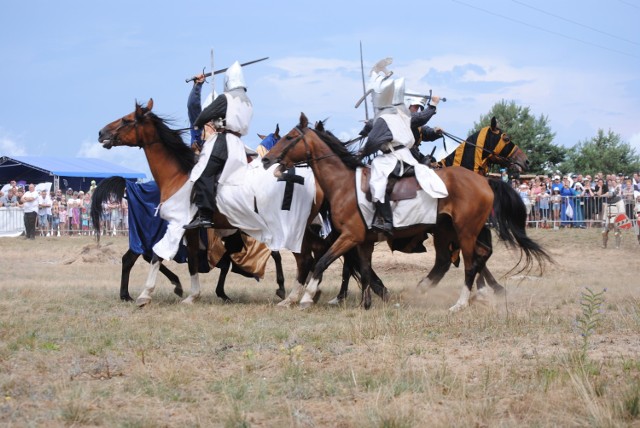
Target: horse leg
365,252
485,274
304,262
442,242
224,269
193,244
344,286
145,297
277,258
340,247
128,260
475,254
350,265
172,277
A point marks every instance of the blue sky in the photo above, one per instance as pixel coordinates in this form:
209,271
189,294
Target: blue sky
68,68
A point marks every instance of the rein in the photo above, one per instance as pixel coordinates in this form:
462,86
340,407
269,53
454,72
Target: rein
459,140
295,141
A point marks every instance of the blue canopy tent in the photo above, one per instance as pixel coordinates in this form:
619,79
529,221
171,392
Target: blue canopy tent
76,173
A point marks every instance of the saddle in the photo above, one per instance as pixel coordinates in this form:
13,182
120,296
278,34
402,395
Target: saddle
399,188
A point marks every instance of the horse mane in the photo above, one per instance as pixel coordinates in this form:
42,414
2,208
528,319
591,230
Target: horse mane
174,143
350,160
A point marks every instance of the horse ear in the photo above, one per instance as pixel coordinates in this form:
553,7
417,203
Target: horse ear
139,112
277,133
304,122
262,137
150,104
494,123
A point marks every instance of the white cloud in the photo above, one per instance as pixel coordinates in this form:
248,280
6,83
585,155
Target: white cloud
9,147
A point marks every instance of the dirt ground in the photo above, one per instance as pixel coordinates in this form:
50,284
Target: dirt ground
72,354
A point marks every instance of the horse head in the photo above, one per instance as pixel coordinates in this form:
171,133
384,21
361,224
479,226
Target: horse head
129,130
505,152
287,151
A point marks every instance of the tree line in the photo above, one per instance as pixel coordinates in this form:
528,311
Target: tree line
606,151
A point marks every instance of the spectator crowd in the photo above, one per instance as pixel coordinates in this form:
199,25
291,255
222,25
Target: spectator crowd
63,213
553,201
575,200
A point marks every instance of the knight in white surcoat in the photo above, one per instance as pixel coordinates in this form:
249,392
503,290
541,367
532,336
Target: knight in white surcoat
392,138
231,115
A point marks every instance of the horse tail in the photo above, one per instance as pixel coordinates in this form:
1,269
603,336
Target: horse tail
509,218
112,186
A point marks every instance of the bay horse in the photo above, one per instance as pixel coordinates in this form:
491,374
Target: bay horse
478,153
145,229
170,161
461,216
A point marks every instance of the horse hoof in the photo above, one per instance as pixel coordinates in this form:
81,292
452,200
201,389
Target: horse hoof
126,298
457,307
178,292
189,300
285,304
280,294
305,305
143,301
336,301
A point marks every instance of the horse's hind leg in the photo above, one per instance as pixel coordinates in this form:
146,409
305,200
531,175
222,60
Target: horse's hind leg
475,254
484,277
128,260
145,297
365,252
442,242
193,244
224,269
344,286
277,258
172,277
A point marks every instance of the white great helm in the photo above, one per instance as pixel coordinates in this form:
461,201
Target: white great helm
233,77
398,92
383,95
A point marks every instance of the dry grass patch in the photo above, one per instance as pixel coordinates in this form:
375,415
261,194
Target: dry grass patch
72,354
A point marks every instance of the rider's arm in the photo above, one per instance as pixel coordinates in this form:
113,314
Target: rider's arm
216,110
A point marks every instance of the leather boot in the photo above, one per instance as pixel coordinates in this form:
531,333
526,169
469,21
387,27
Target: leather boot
383,210
202,219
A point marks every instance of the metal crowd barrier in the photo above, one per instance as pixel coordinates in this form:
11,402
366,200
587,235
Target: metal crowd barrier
11,221
585,212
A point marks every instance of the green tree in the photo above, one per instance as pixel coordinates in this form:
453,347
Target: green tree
532,135
604,152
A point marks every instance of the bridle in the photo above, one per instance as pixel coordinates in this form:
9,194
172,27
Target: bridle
293,142
123,125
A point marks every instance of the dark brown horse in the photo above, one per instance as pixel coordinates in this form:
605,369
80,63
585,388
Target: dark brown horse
170,162
460,220
478,153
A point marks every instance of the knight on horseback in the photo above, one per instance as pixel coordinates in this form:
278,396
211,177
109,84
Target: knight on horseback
419,117
231,114
391,135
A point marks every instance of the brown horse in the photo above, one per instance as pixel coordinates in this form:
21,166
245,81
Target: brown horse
170,162
478,153
460,220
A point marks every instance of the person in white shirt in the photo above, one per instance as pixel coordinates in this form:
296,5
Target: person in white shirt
30,205
44,208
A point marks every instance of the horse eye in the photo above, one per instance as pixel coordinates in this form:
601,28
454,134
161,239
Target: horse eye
506,138
288,137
